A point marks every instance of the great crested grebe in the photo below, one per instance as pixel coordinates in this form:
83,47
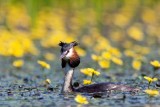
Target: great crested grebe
70,60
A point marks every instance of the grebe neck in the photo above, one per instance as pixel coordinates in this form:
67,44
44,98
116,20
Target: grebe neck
67,85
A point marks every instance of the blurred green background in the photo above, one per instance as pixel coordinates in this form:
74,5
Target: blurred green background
129,27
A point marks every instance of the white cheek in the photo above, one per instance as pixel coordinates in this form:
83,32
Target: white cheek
70,53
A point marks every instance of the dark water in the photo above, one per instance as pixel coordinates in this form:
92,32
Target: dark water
24,87
28,90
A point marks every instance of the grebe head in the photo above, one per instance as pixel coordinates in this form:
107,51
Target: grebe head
67,49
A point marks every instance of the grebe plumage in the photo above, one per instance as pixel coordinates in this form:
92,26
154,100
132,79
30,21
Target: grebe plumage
70,60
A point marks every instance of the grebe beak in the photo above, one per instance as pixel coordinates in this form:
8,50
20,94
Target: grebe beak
63,54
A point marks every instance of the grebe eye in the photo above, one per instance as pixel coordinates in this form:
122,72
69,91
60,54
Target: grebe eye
67,52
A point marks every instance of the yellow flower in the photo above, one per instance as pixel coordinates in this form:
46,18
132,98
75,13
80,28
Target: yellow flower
49,56
89,71
115,52
149,16
155,63
104,63
94,57
121,20
152,92
136,64
43,64
47,81
149,79
87,82
129,53
135,33
106,55
96,73
86,72
117,61
81,99
17,45
80,51
18,63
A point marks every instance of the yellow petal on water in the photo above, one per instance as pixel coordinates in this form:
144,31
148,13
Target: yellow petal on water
18,63
117,61
152,92
129,53
155,63
89,71
155,79
43,64
136,64
87,82
48,81
81,99
94,57
80,51
106,55
115,52
86,72
96,73
149,79
104,63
